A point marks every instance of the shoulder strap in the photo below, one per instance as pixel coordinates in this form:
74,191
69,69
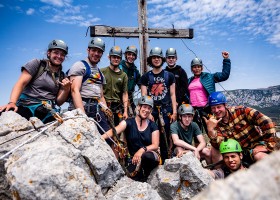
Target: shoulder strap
151,79
166,77
88,71
41,70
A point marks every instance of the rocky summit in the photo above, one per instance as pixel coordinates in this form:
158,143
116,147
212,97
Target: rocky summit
70,161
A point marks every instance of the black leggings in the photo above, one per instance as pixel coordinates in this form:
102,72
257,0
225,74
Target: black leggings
148,163
40,113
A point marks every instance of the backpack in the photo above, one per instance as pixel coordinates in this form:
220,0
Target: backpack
43,67
88,72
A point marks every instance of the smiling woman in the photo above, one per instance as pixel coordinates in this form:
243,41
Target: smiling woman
41,83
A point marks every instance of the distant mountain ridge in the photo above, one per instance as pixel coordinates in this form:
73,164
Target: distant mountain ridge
266,100
264,97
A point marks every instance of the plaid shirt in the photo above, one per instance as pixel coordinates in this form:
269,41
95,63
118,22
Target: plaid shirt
248,126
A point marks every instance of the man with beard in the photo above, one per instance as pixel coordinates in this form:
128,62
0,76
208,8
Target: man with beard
253,130
160,85
115,90
131,71
181,77
87,83
142,138
184,130
232,159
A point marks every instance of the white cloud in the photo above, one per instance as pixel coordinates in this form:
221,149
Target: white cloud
63,12
58,3
30,11
253,17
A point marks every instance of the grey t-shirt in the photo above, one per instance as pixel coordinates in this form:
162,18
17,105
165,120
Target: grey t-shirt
43,87
185,135
92,86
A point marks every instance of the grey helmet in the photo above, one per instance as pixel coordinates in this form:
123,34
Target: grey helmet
58,44
116,51
98,43
196,61
132,49
146,100
171,52
156,51
185,109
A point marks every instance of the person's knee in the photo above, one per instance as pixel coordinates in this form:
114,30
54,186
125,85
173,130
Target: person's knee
259,156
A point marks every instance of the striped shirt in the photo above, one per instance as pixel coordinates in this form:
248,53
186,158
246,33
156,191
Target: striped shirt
248,126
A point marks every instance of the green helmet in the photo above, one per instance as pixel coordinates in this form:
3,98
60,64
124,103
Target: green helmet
185,109
171,52
98,43
146,100
196,61
230,146
58,44
115,51
132,49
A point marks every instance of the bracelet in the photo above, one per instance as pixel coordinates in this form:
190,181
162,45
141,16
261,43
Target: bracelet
145,148
11,102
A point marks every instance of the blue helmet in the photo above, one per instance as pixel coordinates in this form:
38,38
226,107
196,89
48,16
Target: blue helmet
216,98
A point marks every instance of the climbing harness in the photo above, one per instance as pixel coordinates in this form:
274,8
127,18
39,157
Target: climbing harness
52,111
162,129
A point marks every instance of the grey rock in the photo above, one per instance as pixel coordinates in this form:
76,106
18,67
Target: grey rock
49,168
261,181
180,178
128,189
165,182
10,120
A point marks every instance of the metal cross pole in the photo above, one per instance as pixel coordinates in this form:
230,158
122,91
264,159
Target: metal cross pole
142,32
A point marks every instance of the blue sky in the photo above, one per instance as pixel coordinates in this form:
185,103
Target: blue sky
248,29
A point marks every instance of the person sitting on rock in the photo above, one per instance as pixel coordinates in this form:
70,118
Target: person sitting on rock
252,129
184,130
41,86
232,159
142,137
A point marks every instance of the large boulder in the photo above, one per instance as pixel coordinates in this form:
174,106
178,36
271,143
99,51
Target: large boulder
180,178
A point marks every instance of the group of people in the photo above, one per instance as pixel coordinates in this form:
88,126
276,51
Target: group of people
172,111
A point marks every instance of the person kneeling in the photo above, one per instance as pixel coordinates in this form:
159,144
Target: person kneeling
142,137
184,130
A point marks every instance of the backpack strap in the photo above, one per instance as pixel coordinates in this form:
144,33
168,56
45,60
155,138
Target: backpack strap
88,71
166,78
41,70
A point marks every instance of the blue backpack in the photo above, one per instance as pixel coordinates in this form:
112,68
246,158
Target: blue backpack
88,72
